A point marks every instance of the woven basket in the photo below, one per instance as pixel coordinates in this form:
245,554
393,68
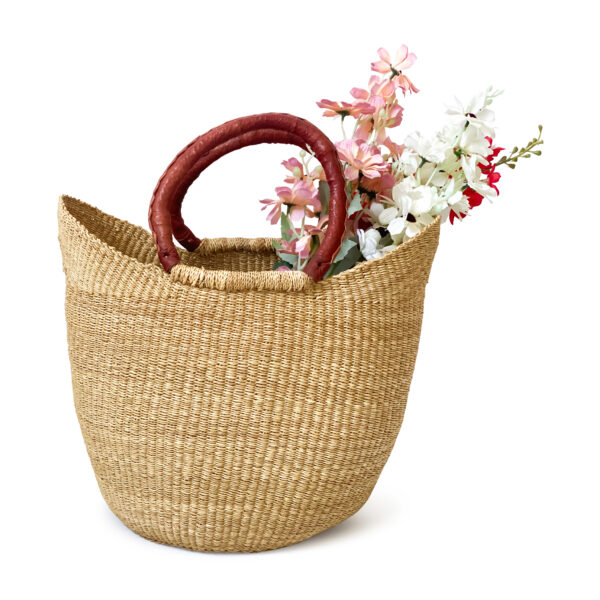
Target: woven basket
226,406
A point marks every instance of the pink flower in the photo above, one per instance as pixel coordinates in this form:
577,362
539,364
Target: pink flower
303,246
275,212
364,129
379,87
318,173
298,246
405,84
319,228
302,197
361,158
403,61
395,149
382,87
344,109
359,94
296,168
385,115
381,185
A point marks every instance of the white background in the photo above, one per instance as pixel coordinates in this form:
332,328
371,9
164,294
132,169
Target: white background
493,488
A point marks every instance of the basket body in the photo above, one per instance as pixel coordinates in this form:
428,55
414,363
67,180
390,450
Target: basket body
211,422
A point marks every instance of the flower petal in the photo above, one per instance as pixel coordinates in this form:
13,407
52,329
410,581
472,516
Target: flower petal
401,54
386,216
380,67
384,55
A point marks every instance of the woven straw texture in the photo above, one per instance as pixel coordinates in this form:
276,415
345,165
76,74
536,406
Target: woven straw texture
227,407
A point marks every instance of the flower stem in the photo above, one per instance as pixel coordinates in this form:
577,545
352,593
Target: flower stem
526,152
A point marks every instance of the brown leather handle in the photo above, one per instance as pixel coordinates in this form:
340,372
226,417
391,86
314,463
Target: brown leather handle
165,215
181,231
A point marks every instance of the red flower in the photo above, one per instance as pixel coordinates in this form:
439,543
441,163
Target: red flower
493,178
490,168
474,198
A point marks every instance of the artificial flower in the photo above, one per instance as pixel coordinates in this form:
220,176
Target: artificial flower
474,176
368,243
302,198
360,158
402,61
344,109
395,149
296,168
431,149
475,113
472,141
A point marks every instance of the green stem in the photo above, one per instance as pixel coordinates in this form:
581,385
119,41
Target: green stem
516,154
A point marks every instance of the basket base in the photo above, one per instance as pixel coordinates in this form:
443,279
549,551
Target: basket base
265,545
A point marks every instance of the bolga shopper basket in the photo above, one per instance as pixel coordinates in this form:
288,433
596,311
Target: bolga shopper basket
210,422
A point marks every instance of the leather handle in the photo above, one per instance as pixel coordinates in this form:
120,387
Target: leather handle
181,231
165,214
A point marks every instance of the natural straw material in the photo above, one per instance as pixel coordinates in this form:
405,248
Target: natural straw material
228,407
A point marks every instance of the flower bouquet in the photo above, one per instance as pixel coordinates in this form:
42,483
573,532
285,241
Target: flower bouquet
394,189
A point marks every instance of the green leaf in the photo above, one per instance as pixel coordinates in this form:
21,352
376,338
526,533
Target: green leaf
292,259
324,197
347,245
352,257
355,204
287,226
282,263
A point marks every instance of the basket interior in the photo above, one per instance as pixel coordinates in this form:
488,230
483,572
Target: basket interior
229,257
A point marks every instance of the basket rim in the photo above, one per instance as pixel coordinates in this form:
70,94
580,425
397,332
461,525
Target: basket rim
193,276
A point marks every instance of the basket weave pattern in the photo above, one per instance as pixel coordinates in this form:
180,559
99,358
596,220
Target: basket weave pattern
211,422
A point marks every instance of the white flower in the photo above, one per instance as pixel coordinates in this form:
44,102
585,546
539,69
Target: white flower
401,194
432,150
386,216
429,174
474,177
420,212
403,228
375,209
424,197
451,163
472,141
368,242
408,162
458,203
476,112
450,133
417,206
397,227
